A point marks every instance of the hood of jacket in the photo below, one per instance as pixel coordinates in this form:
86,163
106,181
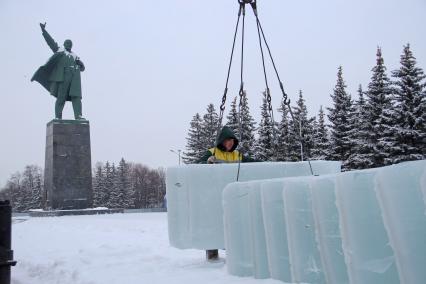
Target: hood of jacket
226,133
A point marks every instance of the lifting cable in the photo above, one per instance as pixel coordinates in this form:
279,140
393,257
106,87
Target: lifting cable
286,100
241,92
222,106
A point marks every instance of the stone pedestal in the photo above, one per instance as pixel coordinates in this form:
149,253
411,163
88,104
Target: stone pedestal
68,169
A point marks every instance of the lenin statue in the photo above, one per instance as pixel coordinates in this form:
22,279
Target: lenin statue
60,76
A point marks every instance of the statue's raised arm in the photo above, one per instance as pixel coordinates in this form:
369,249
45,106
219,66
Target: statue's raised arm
49,40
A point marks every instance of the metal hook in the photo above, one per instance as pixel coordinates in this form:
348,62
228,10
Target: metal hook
246,1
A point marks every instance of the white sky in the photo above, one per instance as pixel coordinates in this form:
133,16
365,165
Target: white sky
151,65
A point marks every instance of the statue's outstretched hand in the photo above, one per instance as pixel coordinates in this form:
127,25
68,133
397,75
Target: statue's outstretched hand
43,26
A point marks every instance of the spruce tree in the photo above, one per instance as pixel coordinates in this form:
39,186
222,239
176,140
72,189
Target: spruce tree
195,148
283,134
26,187
98,186
37,191
123,184
409,128
359,158
209,127
31,191
302,130
115,193
31,188
233,118
339,116
248,127
379,111
109,173
293,140
321,143
264,148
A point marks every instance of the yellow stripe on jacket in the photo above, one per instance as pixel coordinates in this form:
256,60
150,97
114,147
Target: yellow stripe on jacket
225,157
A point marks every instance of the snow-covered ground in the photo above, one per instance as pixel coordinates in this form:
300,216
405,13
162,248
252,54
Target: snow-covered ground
108,249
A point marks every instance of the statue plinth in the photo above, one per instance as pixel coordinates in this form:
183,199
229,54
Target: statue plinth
68,169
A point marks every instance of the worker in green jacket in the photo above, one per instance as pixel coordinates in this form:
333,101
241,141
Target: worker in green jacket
224,152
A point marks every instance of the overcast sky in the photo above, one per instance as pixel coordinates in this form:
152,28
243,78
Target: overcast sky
151,65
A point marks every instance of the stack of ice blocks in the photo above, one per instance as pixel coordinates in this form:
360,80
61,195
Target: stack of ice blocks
194,196
356,227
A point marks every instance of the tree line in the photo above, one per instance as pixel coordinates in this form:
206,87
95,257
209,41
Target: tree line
385,124
127,185
24,189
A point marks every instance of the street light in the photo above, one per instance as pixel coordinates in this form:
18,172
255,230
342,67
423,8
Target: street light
177,153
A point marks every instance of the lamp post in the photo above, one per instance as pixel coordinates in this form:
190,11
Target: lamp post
177,153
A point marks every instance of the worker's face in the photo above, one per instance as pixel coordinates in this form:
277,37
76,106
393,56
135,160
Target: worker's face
228,144
68,45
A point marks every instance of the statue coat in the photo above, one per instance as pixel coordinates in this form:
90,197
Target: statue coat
51,74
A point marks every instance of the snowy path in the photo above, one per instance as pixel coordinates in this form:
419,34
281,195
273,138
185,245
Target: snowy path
108,249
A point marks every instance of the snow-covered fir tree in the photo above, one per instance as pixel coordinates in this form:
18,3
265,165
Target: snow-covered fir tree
37,199
98,186
380,117
115,195
302,129
248,128
210,125
283,134
341,145
123,183
321,149
294,142
195,147
109,175
409,128
27,184
264,147
359,157
31,187
119,196
233,118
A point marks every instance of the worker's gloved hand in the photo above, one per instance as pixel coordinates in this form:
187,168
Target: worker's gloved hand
211,160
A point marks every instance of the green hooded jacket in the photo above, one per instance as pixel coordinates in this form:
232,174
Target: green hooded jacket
223,156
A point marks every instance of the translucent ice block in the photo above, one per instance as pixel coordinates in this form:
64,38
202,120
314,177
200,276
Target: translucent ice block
355,227
244,230
275,230
326,217
368,255
400,197
305,261
194,195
